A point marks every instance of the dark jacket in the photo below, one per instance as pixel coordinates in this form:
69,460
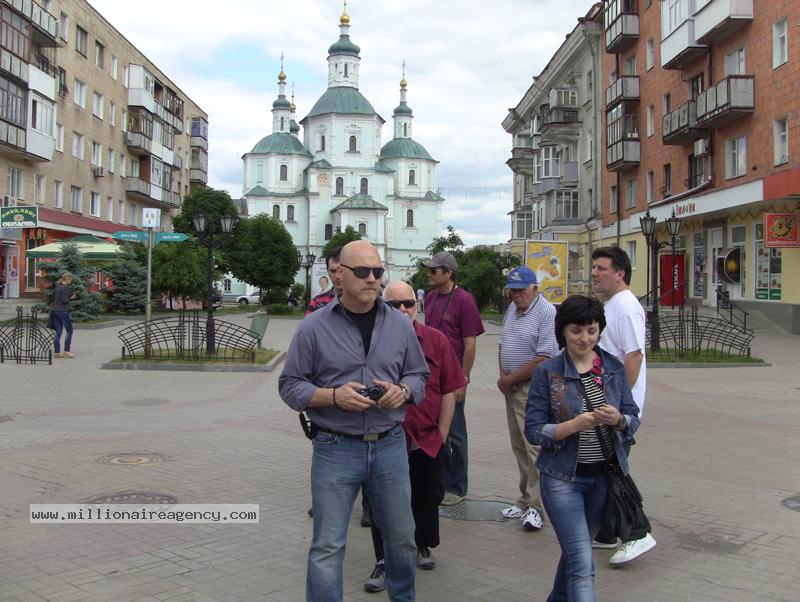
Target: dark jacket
60,298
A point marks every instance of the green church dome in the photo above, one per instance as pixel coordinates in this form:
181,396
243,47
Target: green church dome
281,144
405,148
344,46
342,100
403,109
282,103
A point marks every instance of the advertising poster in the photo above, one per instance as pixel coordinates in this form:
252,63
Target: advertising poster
781,230
319,278
548,260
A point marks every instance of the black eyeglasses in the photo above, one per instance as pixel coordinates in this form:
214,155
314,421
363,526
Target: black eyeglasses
407,303
362,272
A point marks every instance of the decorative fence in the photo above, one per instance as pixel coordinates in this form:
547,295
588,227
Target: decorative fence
25,340
184,339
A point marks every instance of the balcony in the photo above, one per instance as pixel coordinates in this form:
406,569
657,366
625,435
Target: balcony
13,65
623,148
624,88
560,125
717,20
562,207
527,200
680,126
138,143
172,199
198,175
13,141
569,173
521,160
177,161
680,47
137,187
199,142
726,101
622,32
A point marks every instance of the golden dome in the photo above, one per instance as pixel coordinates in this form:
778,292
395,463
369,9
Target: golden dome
281,76
403,83
345,18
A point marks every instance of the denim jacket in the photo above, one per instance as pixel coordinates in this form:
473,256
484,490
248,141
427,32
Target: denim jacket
555,397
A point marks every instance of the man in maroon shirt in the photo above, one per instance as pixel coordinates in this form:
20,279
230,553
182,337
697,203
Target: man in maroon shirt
426,426
452,311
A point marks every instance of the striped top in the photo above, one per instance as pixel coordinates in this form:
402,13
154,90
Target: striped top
589,449
527,334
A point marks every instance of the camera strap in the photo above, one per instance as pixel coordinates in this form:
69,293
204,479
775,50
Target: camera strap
309,428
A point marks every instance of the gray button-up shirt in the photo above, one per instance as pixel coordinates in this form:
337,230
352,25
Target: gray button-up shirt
327,351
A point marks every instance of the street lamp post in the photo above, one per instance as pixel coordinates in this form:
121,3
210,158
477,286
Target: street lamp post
309,262
648,225
674,228
210,242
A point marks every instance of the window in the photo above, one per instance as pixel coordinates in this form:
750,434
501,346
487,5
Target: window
667,101
81,38
769,268
99,52
58,194
135,168
284,173
13,103
112,113
362,229
226,285
345,70
94,204
114,67
97,105
121,211
550,162
405,129
631,244
339,185
76,199
14,183
364,186
780,43
77,145
589,86
276,212
110,209
630,195
650,180
780,140
62,82
412,177
322,143
290,213
567,204
62,32
15,33
125,76
696,170
42,115
123,167
59,138
651,118
352,147
97,154
696,86
735,62
667,188
80,93
112,156
630,65
651,54
589,145
735,157
613,200
259,173
328,231
38,189
409,218
123,124
131,214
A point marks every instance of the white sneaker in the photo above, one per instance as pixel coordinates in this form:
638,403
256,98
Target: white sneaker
631,550
512,512
599,545
531,521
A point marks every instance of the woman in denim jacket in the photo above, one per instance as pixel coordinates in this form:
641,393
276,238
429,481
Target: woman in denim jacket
579,408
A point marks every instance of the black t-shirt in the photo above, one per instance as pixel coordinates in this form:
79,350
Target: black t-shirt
365,323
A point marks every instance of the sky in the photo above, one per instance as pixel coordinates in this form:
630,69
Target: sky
467,62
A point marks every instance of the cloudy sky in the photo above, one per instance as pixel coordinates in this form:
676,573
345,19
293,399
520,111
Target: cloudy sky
467,62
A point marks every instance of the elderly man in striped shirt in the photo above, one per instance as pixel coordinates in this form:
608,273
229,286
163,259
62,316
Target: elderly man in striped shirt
528,339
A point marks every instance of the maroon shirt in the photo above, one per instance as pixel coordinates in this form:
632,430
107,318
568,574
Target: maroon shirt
321,300
461,320
422,421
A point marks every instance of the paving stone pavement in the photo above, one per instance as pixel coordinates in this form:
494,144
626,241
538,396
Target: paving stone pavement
717,454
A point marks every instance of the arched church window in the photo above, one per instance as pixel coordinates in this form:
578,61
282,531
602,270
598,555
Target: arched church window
364,186
322,143
328,231
410,218
345,69
276,212
259,173
290,213
339,185
352,147
412,177
362,229
405,129
284,173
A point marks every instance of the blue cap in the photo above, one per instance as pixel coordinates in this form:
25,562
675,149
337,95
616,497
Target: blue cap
521,277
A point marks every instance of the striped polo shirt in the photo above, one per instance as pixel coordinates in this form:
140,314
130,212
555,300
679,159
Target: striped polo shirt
527,334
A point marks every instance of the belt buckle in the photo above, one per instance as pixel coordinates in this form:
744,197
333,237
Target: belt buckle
370,437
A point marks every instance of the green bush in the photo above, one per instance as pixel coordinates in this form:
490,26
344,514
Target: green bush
278,309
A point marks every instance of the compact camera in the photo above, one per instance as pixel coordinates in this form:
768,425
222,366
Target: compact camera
374,392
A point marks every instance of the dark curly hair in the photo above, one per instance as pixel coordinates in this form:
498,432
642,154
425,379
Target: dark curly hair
581,310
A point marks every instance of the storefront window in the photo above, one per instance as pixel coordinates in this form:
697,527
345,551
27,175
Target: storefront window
768,269
698,264
738,239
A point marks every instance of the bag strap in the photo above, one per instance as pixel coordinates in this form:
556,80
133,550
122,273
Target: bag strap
608,454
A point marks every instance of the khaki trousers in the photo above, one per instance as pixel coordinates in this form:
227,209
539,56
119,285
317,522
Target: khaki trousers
524,452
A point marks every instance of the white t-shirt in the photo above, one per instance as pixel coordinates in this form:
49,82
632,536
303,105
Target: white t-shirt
624,333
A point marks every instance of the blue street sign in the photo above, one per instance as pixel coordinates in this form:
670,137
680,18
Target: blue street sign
170,237
130,235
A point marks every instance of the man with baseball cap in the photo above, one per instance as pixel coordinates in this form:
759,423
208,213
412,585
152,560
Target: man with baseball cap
528,339
453,311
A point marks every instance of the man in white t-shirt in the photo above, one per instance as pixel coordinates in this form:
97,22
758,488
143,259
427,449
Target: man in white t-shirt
624,338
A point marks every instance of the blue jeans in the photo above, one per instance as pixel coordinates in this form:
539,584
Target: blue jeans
454,470
575,509
339,467
62,320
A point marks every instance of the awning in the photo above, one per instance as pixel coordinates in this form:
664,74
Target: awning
89,247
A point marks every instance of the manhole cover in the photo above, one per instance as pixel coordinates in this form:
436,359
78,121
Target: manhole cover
475,510
792,503
133,497
132,459
143,403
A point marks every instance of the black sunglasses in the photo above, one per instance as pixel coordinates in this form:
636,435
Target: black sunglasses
362,272
433,270
407,303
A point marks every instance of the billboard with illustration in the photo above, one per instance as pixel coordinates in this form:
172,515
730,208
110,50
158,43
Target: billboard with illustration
548,260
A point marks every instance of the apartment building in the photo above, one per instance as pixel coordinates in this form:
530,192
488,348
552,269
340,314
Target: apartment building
91,132
700,121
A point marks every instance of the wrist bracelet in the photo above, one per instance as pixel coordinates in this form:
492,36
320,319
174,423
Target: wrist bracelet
334,398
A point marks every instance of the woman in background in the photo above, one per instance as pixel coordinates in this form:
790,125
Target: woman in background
59,309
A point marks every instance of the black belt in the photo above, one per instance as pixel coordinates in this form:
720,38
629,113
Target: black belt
364,437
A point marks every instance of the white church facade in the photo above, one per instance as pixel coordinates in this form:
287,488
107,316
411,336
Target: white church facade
340,174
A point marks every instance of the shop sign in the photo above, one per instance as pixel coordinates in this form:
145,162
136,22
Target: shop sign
685,209
19,217
781,230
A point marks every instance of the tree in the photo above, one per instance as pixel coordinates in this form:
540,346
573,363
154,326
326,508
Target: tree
341,238
86,305
261,252
128,283
179,270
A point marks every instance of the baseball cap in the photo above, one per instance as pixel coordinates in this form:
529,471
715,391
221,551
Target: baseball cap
442,260
521,277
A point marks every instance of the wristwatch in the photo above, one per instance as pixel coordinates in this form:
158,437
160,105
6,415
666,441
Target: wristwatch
406,392
622,423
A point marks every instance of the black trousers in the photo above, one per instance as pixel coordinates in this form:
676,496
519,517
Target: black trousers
427,492
637,531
